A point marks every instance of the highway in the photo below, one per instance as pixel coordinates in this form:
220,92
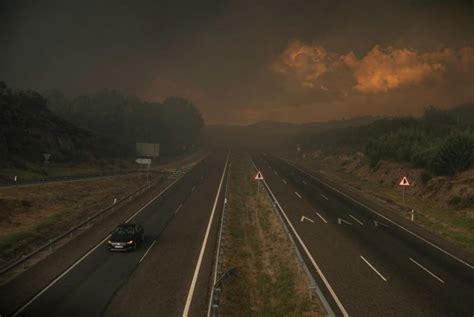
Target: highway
168,275
366,263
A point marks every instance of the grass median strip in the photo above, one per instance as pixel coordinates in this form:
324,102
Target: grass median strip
270,281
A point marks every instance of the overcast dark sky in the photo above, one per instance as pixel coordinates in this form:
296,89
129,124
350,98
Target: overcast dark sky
245,61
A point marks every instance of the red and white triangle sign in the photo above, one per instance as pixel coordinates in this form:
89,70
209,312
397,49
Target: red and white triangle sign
404,182
259,176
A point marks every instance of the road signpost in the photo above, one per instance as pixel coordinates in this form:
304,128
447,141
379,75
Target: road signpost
46,161
145,161
258,178
404,183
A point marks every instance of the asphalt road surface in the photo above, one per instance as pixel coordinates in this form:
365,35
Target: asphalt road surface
168,275
369,265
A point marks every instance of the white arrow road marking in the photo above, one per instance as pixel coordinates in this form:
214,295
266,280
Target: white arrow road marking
376,223
428,271
373,268
357,220
296,193
147,250
324,197
317,213
303,218
339,221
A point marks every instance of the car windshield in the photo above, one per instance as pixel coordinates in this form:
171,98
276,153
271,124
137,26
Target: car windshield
124,230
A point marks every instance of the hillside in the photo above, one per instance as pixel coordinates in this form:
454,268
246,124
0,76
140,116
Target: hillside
28,129
440,141
175,123
273,134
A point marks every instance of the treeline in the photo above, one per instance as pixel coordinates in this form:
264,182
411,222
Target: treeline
28,129
175,123
440,141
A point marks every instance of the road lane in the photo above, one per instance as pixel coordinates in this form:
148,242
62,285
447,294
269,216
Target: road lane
409,290
89,287
160,285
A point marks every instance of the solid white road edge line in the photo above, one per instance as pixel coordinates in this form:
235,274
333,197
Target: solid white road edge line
317,213
357,220
147,250
308,254
374,269
296,193
384,217
91,251
324,197
428,271
203,246
177,209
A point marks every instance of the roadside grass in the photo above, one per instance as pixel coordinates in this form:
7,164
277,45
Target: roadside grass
32,215
269,281
37,170
448,222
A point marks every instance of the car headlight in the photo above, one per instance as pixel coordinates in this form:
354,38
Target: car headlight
130,242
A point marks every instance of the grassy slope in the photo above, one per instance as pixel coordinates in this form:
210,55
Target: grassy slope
429,202
269,282
31,215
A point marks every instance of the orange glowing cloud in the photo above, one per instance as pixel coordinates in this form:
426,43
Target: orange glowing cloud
378,71
307,62
383,70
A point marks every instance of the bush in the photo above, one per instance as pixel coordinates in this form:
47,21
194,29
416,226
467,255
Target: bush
462,202
455,155
425,177
423,158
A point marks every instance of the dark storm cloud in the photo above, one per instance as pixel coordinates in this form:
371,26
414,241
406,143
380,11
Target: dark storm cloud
224,55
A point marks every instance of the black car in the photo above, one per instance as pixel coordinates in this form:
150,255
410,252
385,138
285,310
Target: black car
125,237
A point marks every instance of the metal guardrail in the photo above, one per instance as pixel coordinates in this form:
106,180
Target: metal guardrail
52,179
88,220
219,276
313,287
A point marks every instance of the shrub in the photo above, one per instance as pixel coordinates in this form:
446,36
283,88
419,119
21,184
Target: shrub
462,202
455,155
423,158
425,177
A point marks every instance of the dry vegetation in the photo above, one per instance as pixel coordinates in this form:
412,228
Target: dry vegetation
440,202
31,215
269,280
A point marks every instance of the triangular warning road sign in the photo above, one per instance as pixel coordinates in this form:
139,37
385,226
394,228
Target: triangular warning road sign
259,176
404,182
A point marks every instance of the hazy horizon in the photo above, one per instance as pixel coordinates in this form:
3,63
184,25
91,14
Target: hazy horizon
245,62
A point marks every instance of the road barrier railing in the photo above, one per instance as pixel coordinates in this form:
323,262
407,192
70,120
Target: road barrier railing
18,181
313,288
219,276
21,261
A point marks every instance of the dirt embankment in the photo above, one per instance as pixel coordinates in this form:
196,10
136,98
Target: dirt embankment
441,203
269,281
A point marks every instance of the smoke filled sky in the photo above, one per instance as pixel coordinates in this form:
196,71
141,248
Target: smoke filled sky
246,61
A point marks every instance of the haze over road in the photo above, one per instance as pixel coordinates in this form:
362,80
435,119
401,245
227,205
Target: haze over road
374,267
157,278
